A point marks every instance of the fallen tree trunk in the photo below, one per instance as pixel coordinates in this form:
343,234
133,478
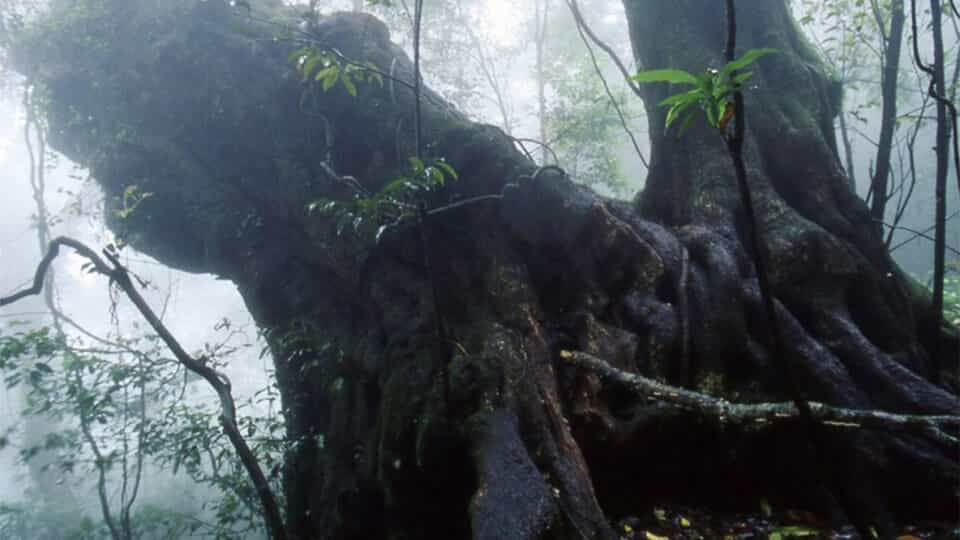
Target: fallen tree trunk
489,432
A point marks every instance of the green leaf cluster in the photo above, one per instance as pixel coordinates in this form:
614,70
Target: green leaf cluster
368,215
328,67
130,200
712,91
951,299
125,396
584,127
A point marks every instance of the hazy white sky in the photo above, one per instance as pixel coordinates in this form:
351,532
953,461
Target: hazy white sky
196,302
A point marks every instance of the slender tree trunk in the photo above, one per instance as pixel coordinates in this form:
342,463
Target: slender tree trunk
847,148
888,118
541,14
42,467
943,164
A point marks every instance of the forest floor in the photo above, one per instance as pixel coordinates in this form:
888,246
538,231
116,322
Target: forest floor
687,523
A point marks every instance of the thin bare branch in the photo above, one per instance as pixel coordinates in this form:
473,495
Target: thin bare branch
581,23
582,30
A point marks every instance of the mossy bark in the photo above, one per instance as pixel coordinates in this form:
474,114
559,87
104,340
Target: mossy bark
488,434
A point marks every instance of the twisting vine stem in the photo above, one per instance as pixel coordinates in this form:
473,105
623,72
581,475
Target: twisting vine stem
417,129
582,24
583,29
440,349
735,141
937,90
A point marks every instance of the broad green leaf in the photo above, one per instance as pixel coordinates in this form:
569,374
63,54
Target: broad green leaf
416,164
436,176
742,77
705,80
677,76
676,99
330,79
373,73
687,121
721,92
298,54
748,58
325,72
395,186
676,111
310,65
349,84
448,169
711,112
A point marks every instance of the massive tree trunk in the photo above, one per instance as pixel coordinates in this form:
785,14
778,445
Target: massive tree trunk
489,433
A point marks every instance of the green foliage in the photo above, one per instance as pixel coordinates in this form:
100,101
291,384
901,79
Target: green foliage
845,33
129,202
125,402
713,90
367,216
951,299
328,68
951,291
187,440
848,39
43,521
584,127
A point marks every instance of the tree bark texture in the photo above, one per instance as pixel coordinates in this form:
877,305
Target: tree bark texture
213,121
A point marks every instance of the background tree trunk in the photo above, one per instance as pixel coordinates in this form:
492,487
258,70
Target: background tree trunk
890,71
524,445
830,270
